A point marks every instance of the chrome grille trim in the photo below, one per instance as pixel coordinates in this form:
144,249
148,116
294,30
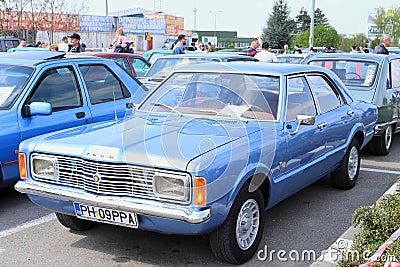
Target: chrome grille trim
116,179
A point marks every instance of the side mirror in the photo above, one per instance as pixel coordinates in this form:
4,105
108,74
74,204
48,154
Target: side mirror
37,108
303,120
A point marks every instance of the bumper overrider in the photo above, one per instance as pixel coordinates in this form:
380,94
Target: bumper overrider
380,128
144,207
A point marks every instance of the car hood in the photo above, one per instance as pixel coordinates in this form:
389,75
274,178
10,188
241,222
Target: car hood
166,141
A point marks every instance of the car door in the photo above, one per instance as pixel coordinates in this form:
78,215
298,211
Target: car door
108,97
334,115
59,87
395,81
306,144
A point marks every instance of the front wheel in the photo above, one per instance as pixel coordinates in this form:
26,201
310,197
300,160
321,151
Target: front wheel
237,240
74,223
346,174
383,143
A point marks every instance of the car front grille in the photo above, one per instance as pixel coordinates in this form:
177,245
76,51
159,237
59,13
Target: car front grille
106,178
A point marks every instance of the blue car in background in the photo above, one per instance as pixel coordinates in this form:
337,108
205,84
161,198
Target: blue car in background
206,152
43,91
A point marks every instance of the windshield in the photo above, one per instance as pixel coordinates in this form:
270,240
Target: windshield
217,94
165,66
12,80
353,73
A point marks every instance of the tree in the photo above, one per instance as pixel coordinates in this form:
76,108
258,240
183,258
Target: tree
323,34
355,39
319,18
388,21
279,26
303,20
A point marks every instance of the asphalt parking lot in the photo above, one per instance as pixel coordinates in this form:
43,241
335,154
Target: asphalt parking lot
310,220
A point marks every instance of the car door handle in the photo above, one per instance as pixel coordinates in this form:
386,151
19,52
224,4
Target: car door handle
322,125
80,115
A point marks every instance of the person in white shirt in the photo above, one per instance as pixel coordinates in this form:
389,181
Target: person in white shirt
264,55
63,46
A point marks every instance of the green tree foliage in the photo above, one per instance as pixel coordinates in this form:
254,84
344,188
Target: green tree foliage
323,34
279,26
356,39
388,21
303,20
319,18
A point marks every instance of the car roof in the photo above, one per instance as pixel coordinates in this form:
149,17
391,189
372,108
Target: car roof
251,68
30,58
39,55
217,55
111,54
359,56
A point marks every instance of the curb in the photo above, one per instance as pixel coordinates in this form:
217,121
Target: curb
331,256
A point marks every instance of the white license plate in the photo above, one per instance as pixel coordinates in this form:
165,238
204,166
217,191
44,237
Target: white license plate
106,215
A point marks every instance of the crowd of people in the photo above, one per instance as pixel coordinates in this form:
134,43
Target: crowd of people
122,44
74,44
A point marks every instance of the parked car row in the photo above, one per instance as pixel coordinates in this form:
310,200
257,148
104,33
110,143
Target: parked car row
205,151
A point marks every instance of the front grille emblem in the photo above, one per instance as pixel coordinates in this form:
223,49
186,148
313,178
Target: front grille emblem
97,178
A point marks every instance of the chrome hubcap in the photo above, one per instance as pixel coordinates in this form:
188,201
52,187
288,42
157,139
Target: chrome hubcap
388,137
247,224
353,163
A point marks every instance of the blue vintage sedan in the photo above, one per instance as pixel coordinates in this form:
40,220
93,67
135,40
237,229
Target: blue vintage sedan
206,152
43,91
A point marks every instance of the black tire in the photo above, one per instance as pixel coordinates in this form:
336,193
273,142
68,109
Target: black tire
74,223
346,174
224,241
383,143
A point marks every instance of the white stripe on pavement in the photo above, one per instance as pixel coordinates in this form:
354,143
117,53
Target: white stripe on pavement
27,225
379,170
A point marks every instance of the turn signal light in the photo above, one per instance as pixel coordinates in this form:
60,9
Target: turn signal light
22,165
199,191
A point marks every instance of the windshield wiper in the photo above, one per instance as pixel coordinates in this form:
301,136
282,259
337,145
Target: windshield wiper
166,107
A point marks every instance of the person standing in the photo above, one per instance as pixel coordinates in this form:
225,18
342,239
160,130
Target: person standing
265,55
122,42
386,41
22,42
63,46
286,49
297,49
179,47
75,45
253,47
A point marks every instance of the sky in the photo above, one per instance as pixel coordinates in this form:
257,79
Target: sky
249,18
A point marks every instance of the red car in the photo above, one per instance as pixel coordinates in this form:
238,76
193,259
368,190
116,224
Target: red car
134,64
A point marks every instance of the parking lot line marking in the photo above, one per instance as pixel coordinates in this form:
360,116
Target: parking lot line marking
27,225
379,170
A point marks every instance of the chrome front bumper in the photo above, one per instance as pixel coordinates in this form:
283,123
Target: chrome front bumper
144,207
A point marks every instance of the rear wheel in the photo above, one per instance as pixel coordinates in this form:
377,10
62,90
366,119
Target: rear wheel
74,223
237,240
346,174
383,143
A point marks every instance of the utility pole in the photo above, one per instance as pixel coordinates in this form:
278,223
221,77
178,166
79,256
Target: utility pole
194,26
312,23
106,7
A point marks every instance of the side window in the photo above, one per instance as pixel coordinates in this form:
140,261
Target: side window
140,66
395,73
123,63
102,84
299,99
327,98
59,88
